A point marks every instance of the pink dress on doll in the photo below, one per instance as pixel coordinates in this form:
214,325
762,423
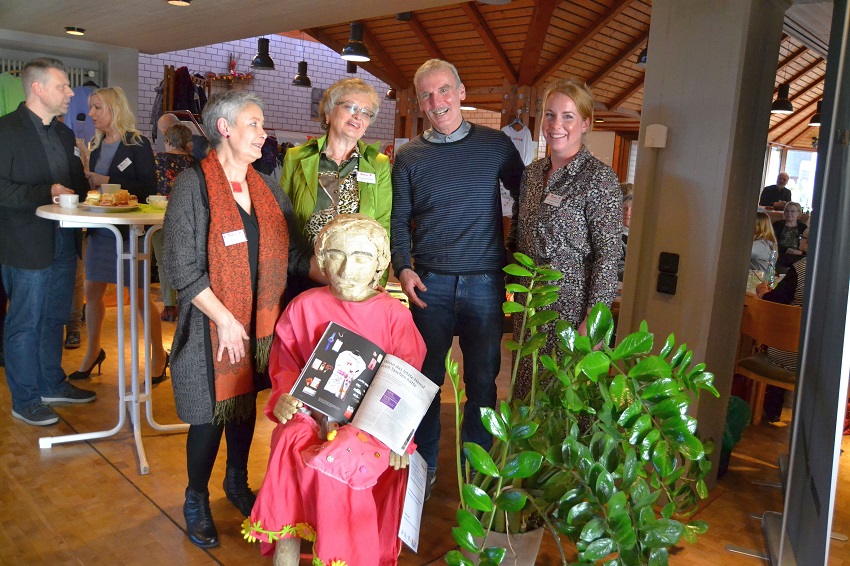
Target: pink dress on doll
345,488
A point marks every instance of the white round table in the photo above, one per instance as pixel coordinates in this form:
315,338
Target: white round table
129,402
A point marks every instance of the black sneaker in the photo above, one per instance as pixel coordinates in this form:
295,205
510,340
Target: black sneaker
72,340
430,480
71,394
37,414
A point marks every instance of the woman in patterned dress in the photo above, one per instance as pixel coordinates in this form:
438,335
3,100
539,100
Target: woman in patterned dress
338,173
570,212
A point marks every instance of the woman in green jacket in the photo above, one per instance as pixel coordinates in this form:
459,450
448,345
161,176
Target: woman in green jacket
338,173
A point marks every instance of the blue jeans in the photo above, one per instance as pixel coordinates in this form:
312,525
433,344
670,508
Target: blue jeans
471,307
39,302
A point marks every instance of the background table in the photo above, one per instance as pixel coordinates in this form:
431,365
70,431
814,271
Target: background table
128,401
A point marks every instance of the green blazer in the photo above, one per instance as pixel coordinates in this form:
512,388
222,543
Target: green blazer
300,181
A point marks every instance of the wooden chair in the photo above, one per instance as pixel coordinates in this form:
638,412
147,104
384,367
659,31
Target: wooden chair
768,324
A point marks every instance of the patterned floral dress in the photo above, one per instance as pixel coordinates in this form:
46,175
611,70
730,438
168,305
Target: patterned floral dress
168,166
572,223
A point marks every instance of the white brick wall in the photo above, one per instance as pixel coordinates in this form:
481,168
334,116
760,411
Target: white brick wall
287,106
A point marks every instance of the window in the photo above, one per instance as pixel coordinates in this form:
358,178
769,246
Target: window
800,165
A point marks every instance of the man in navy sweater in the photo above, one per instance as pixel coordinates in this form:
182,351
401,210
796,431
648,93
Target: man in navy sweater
448,248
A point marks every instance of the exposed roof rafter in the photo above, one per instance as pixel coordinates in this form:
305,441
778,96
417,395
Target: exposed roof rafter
395,80
425,38
476,18
621,58
629,92
799,119
541,18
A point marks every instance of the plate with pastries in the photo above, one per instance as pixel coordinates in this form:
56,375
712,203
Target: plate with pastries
119,201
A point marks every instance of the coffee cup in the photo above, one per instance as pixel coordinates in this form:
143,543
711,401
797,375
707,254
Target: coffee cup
158,201
67,201
109,188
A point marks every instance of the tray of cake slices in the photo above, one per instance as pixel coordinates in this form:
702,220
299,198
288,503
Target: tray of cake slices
119,201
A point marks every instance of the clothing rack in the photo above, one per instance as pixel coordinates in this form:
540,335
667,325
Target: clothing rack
168,88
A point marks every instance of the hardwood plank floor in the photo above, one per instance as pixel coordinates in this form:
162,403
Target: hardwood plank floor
86,503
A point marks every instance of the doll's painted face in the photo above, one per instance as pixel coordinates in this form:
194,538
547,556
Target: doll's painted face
351,264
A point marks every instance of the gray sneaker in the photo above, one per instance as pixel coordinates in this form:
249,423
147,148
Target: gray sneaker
37,414
70,394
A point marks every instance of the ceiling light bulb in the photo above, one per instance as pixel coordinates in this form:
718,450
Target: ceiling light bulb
75,31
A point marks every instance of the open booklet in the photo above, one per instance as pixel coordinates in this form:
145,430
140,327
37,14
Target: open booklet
350,379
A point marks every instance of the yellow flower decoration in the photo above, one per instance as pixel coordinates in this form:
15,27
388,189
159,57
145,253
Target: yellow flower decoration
331,435
248,531
305,531
338,563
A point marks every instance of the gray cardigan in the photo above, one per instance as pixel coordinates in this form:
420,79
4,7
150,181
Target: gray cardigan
185,233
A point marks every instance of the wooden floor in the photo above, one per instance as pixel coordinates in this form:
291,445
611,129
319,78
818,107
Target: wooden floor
86,503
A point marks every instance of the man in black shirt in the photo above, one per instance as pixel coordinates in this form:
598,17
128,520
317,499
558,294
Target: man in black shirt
38,161
776,195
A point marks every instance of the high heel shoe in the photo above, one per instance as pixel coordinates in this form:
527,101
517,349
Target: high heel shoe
162,377
87,373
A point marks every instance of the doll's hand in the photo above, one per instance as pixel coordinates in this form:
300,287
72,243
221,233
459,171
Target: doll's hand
399,462
286,407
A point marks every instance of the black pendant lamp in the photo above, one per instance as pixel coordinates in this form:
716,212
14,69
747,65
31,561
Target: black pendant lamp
355,50
815,121
262,61
301,79
782,104
641,58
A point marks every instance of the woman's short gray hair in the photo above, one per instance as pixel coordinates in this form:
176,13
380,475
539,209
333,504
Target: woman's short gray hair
226,105
351,224
339,90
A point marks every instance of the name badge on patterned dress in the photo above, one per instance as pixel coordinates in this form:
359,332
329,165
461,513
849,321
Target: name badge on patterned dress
553,200
235,237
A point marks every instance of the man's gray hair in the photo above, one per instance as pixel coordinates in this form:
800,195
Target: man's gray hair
432,65
36,71
226,105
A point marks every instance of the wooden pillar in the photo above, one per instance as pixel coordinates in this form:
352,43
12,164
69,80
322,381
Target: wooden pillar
406,113
521,102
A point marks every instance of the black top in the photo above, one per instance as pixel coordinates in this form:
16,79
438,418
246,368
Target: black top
252,234
772,194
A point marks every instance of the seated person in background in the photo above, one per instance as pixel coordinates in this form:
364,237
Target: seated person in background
764,242
355,520
789,291
627,220
776,195
788,233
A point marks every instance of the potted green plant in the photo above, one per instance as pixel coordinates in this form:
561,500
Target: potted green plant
602,451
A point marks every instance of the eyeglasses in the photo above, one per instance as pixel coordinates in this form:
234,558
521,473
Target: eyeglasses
353,109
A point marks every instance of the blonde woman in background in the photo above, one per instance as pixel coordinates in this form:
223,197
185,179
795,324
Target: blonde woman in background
764,243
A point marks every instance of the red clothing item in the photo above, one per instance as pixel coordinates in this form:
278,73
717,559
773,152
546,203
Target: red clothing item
358,525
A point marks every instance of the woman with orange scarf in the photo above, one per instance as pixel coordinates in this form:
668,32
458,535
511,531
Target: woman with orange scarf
229,241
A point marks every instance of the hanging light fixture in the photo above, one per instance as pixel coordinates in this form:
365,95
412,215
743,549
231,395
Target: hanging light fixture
782,104
815,121
390,94
301,79
355,50
350,67
262,61
180,2
641,58
70,30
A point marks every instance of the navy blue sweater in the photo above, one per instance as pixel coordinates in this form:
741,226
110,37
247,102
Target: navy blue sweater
447,213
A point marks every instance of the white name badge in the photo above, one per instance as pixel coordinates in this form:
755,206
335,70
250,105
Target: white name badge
364,177
124,164
235,237
76,152
553,200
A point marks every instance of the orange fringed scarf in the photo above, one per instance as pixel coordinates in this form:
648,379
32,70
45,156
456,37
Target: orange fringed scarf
230,281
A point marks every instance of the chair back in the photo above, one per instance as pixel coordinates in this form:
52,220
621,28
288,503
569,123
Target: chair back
772,324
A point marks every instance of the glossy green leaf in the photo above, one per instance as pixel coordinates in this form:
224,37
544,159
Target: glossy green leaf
594,365
547,288
599,549
600,323
544,300
511,501
579,512
536,342
523,259
699,527
512,345
594,529
493,423
464,539
629,468
634,344
469,522
641,426
516,288
622,531
456,558
667,510
516,270
505,411
548,363
494,554
509,307
476,498
662,458
583,344
566,334
658,557
604,487
668,346
546,274
671,407
680,353
618,391
630,415
663,533
659,390
652,367
702,489
480,459
522,465
540,318
688,444
648,442
572,496
522,431
617,504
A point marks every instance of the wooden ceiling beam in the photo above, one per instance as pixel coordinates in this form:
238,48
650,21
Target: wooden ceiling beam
396,81
804,71
476,18
621,58
585,38
375,48
541,17
424,37
800,120
797,96
627,94
791,58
